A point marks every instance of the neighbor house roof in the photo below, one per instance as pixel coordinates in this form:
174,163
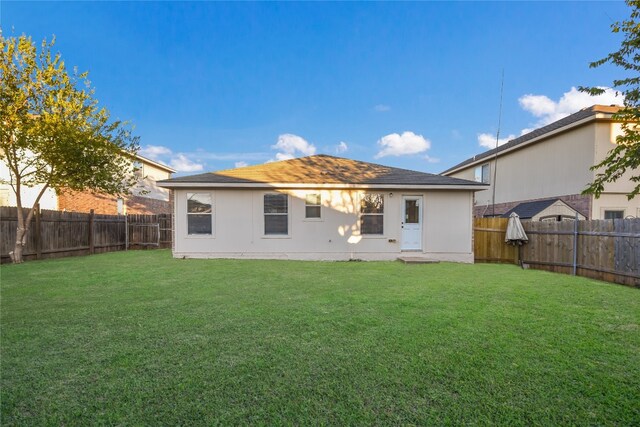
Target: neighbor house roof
319,171
582,116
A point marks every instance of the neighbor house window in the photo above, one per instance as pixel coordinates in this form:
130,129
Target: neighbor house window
312,206
372,214
613,214
276,214
199,213
138,169
482,174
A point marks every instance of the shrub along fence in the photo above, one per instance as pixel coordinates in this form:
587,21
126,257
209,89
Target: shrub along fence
56,234
601,249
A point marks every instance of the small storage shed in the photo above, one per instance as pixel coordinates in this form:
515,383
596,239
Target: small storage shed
545,210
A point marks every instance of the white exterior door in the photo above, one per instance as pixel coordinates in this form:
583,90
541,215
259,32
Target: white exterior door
411,223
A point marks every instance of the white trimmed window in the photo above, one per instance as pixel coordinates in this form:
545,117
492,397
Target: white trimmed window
199,213
613,214
312,206
372,214
276,214
482,174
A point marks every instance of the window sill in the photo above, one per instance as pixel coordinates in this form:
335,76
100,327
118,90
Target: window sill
275,236
313,220
200,236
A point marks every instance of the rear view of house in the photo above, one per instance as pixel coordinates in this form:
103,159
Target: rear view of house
322,207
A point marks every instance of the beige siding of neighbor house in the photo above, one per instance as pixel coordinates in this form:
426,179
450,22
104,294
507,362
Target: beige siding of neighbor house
238,226
614,196
550,168
147,186
559,166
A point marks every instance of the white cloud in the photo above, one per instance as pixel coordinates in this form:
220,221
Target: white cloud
430,159
154,152
489,141
179,161
241,164
548,110
402,145
182,164
342,147
205,155
291,146
381,108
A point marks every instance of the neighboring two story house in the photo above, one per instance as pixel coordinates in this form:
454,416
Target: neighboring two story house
145,198
552,162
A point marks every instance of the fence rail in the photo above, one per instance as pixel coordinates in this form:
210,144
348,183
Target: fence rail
56,234
601,249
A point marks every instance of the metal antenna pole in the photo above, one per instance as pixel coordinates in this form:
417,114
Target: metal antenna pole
495,159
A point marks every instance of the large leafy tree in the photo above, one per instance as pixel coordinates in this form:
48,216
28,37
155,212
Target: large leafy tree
53,133
626,154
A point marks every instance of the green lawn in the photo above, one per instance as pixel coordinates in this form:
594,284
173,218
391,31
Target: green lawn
140,338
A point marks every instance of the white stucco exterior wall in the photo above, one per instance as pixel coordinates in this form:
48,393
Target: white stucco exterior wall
238,227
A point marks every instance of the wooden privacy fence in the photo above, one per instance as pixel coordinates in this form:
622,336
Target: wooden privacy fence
601,249
55,234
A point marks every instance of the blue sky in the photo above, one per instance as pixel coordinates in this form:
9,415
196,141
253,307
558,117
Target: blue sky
210,86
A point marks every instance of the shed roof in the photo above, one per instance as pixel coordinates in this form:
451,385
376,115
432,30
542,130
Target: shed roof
319,170
530,209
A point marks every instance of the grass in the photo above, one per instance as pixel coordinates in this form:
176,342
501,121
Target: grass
139,338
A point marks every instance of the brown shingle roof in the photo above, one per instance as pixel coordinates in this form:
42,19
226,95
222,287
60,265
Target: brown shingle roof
320,169
575,117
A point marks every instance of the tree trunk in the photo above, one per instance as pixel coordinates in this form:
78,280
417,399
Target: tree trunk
21,242
22,232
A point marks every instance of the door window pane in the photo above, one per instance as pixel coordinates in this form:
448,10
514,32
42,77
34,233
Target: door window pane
411,212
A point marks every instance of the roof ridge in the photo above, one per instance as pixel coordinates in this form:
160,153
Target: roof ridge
323,169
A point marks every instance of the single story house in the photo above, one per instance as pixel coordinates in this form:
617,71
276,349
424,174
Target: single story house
322,208
545,210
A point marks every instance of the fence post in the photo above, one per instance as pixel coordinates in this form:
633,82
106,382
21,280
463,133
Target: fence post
126,232
38,232
575,244
91,233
